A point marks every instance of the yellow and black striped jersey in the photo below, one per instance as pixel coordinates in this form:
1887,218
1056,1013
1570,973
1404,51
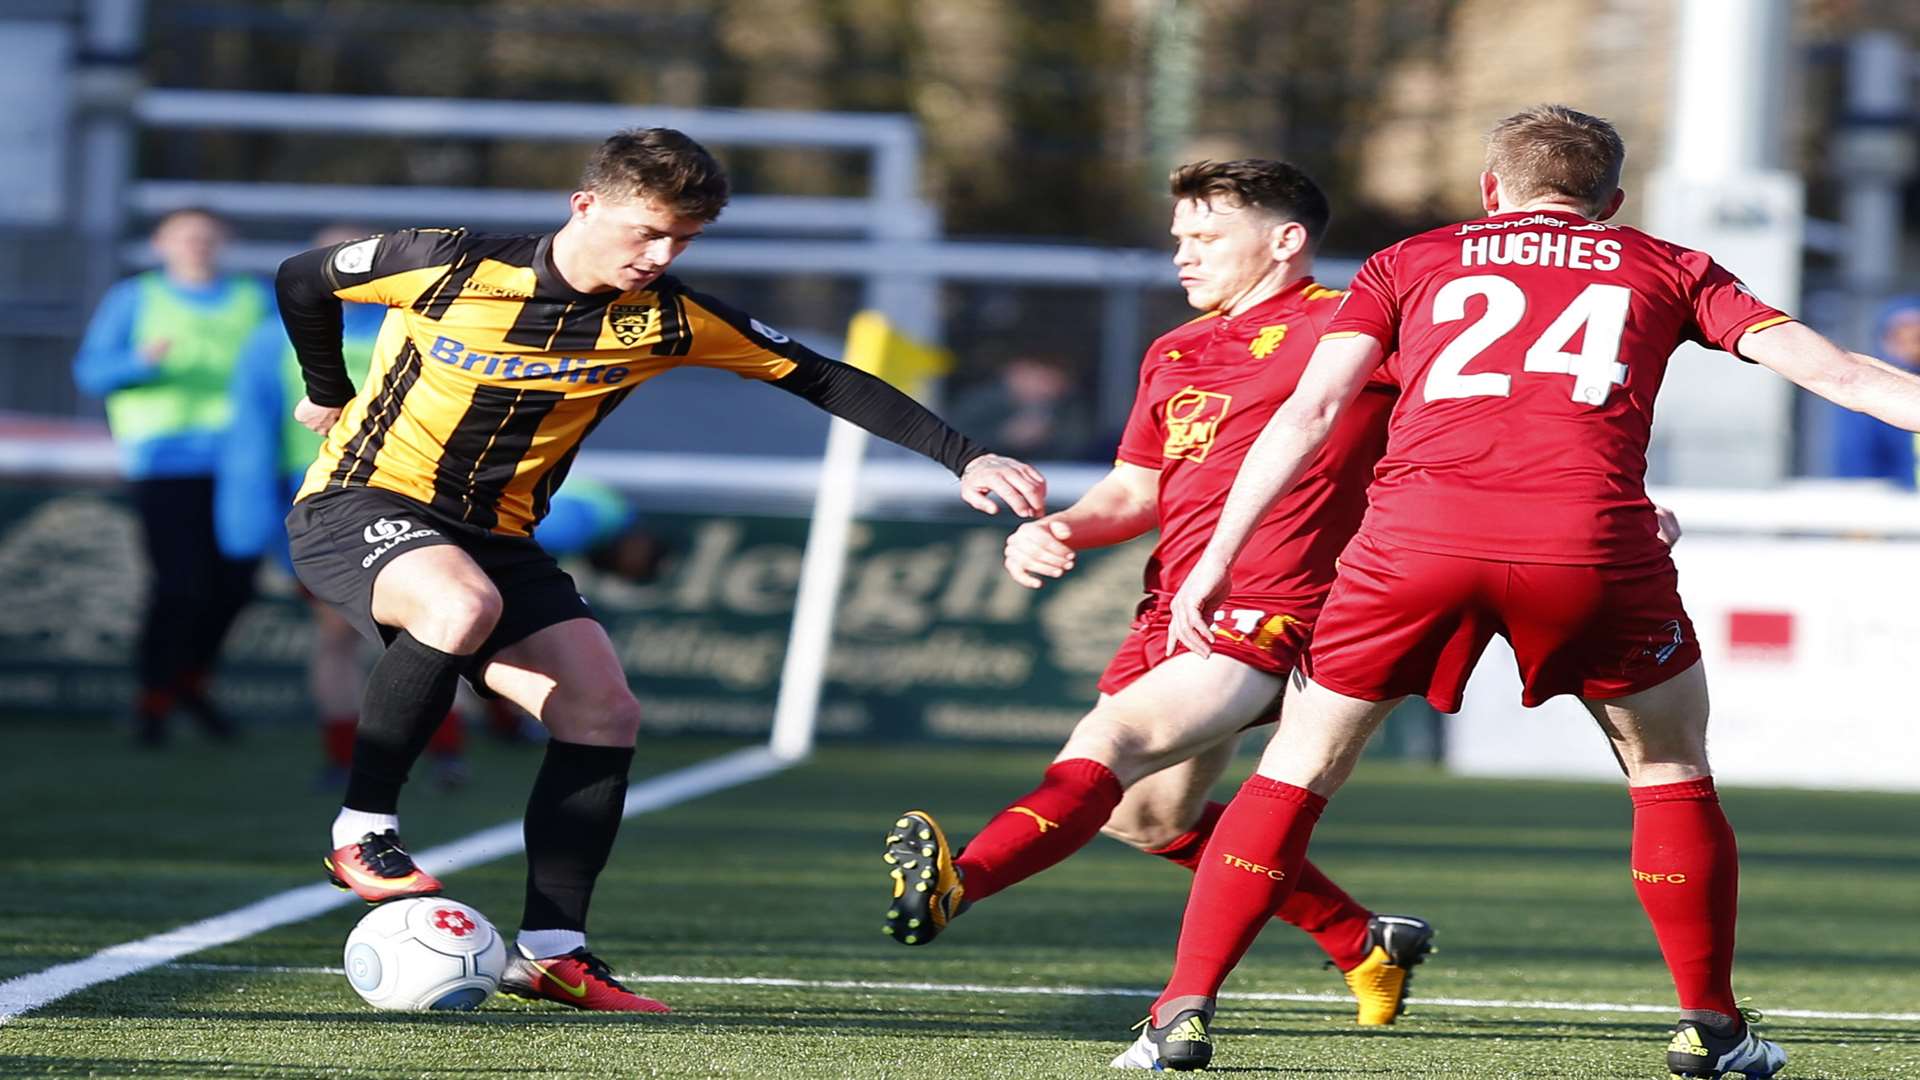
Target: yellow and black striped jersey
490,369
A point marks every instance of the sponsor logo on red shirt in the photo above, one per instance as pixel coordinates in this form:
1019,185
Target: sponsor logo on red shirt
1193,423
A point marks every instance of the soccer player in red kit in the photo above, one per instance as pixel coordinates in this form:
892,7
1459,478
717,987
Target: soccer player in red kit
1528,346
1140,765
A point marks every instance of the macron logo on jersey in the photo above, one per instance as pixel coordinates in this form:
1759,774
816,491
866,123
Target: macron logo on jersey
567,369
356,258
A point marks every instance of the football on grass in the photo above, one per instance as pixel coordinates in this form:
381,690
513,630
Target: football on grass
425,952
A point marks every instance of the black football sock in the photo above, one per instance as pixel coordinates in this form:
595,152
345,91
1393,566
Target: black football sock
408,694
572,818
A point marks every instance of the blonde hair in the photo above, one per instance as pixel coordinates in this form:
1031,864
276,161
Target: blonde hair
1554,150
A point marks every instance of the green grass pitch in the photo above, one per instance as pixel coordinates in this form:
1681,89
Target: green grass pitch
781,880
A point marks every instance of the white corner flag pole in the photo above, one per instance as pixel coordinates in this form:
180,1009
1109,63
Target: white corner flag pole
822,567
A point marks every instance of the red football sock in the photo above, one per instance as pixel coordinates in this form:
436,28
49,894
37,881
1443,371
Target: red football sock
450,738
336,739
1251,865
1041,828
1335,921
1686,868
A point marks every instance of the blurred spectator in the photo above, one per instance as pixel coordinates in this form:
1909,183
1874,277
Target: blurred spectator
1034,409
1863,446
161,349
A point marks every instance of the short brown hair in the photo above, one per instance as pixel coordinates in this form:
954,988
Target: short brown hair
1554,150
1274,186
659,164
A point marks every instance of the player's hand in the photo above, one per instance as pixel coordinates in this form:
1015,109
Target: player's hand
154,353
1039,549
1019,484
1667,526
1193,605
318,419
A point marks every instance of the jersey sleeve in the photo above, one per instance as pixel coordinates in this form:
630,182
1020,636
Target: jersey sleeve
1723,309
722,336
1141,442
391,269
1371,306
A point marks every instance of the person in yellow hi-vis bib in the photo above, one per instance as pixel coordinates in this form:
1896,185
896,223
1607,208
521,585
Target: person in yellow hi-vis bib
160,349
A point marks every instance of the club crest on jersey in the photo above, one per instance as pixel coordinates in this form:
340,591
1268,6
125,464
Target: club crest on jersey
1267,340
1193,422
631,322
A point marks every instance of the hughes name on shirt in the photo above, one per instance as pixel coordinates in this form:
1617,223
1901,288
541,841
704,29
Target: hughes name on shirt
1562,249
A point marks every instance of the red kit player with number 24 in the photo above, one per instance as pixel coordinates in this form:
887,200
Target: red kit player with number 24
1529,346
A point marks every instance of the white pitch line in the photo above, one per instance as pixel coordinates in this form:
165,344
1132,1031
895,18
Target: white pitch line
1106,991
31,991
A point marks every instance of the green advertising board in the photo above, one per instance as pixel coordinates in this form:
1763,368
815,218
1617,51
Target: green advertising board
932,638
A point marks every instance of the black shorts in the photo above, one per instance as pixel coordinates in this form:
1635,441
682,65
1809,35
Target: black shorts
342,539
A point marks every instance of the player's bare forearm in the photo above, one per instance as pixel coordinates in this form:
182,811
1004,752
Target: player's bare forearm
1123,505
1849,379
1882,391
1273,465
1333,378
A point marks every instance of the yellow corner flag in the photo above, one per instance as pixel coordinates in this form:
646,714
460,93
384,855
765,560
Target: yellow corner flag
875,347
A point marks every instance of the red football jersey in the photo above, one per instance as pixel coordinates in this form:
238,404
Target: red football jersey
1207,389
1528,348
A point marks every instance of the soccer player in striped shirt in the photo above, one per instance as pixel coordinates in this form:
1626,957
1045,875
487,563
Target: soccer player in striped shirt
497,357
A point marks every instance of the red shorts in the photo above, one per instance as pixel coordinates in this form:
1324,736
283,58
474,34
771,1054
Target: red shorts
1245,630
1404,622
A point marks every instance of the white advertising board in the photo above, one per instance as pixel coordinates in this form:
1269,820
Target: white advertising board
1812,652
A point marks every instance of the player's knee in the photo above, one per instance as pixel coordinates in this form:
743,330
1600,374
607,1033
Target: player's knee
459,620
1126,750
605,714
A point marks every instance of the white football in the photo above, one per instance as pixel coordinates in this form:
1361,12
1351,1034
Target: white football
425,952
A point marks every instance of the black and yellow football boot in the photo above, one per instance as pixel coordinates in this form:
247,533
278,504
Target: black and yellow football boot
927,891
1395,946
